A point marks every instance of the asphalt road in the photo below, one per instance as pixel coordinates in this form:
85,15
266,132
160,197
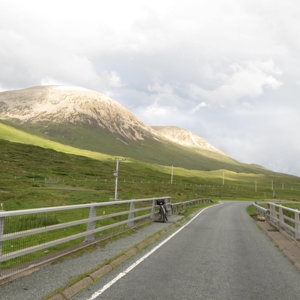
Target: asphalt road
222,254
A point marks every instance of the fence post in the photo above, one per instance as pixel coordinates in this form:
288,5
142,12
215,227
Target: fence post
153,210
168,206
91,225
272,213
1,232
172,209
297,225
131,215
281,218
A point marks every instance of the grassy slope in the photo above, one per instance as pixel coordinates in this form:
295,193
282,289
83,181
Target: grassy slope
79,179
159,152
14,135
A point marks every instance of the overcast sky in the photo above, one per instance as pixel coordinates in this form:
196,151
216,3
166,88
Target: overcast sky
228,70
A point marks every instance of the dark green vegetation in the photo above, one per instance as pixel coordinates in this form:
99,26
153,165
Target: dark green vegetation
97,139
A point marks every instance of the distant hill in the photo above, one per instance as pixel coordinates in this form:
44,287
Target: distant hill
185,138
89,120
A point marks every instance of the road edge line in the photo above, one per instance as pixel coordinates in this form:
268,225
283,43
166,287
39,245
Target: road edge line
96,275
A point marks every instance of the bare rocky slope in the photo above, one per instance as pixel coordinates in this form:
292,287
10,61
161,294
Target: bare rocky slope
184,137
72,105
89,120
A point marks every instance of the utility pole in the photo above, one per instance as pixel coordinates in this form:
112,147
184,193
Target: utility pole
172,173
272,185
116,174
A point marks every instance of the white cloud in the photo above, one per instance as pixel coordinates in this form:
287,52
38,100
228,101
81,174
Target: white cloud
199,106
247,80
164,95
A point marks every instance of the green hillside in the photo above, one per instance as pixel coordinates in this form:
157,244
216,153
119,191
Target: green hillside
14,135
152,151
32,176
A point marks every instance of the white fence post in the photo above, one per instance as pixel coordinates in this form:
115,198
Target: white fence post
281,218
153,210
297,225
131,215
91,225
168,207
272,213
1,232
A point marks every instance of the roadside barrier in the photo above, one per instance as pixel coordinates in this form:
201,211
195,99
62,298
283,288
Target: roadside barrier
285,218
177,207
30,234
32,237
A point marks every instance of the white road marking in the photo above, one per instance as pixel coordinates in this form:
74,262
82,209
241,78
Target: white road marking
130,268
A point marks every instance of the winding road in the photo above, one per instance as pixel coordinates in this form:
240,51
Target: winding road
221,254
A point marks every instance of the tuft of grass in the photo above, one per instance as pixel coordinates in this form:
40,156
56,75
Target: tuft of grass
251,211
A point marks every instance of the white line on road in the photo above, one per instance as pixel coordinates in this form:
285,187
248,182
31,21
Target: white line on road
122,274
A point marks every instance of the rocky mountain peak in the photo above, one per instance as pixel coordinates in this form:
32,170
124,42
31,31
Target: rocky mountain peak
62,104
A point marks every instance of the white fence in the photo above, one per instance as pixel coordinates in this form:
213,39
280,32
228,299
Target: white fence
26,236
179,206
90,221
283,217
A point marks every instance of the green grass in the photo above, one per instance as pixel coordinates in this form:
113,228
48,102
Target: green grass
251,210
292,205
14,135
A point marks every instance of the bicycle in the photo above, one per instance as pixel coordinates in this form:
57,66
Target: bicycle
162,210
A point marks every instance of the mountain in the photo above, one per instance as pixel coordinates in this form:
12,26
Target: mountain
89,120
185,138
60,104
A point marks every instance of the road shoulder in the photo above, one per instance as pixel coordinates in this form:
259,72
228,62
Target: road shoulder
289,246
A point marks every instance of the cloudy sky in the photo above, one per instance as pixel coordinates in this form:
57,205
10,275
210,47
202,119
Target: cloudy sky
228,70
